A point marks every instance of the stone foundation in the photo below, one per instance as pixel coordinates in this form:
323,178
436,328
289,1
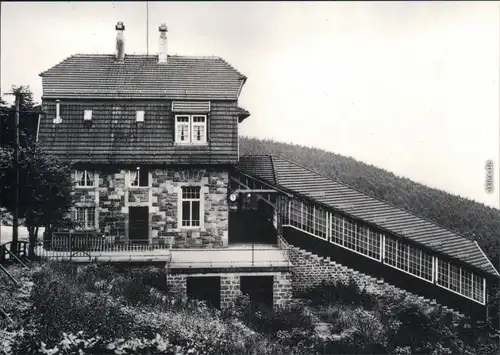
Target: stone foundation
230,285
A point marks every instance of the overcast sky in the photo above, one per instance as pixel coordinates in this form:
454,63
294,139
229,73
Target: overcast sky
409,87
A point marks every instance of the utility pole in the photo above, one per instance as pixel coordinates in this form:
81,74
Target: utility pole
147,27
15,222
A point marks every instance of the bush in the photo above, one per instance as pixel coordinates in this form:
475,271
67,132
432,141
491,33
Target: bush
60,305
334,292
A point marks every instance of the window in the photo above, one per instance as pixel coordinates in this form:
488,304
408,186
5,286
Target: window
477,288
85,217
443,274
460,280
58,119
337,229
320,222
190,129
296,213
84,178
308,214
198,129
190,210
408,258
349,234
87,115
139,116
373,245
139,178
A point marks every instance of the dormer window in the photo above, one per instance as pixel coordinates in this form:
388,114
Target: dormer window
191,129
84,178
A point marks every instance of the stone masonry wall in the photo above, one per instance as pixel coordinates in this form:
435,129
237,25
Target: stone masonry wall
230,286
112,218
112,196
311,270
167,186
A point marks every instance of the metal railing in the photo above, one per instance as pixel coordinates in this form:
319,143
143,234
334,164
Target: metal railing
233,256
69,245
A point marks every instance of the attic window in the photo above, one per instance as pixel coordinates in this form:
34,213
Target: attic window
87,116
139,116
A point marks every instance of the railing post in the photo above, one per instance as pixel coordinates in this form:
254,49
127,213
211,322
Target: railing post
2,253
252,254
70,249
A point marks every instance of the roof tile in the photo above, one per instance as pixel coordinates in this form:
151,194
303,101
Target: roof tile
141,76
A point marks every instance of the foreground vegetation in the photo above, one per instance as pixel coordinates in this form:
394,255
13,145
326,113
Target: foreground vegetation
95,309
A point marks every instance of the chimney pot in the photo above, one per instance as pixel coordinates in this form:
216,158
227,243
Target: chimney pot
163,53
120,42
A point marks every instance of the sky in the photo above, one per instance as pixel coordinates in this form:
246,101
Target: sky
410,87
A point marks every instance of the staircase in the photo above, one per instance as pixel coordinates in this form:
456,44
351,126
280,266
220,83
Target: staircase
303,259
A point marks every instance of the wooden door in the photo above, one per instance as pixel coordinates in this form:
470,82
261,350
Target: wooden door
138,225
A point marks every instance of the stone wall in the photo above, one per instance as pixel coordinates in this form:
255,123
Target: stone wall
164,212
113,197
230,285
310,270
112,217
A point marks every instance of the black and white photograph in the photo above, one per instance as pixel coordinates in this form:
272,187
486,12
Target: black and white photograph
249,178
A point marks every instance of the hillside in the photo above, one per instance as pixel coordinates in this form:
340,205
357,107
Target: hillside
464,216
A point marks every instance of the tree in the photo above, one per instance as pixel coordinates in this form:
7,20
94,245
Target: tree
44,188
28,118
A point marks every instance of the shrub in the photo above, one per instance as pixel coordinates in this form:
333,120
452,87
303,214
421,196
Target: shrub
338,291
60,305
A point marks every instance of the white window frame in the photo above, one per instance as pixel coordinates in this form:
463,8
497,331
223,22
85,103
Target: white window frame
203,192
131,180
190,200
86,185
86,214
198,124
191,125
459,292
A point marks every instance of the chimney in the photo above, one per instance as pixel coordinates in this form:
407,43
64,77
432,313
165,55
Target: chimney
120,42
162,54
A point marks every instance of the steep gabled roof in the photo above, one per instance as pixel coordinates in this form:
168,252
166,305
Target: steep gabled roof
334,194
141,76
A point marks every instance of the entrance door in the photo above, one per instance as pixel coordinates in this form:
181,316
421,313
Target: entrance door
138,225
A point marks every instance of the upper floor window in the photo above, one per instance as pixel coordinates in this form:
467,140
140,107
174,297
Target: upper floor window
191,129
84,178
139,177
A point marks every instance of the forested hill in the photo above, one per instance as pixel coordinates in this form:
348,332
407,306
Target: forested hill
464,216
